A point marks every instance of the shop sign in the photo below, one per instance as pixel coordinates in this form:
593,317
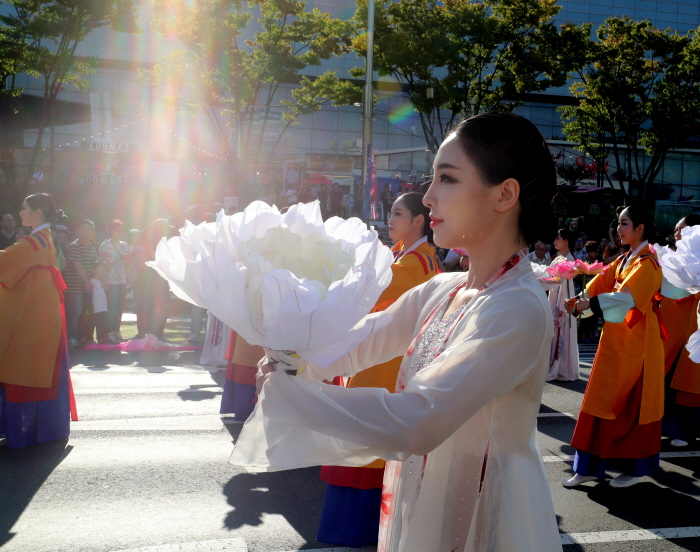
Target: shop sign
106,180
110,148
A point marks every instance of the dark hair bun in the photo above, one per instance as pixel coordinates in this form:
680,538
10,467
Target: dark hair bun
693,219
640,213
505,145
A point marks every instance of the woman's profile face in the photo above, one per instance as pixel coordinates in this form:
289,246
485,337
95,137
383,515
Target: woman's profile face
457,199
627,231
401,222
677,232
559,243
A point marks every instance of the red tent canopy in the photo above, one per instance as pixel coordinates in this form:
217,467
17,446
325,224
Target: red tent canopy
318,179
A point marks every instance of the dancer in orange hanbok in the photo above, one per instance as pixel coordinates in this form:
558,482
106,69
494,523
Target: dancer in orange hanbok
682,399
36,399
351,508
620,421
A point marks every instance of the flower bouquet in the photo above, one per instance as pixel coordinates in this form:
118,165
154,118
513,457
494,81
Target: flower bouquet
567,270
289,282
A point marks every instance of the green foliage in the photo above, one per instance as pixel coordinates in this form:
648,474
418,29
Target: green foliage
473,56
40,38
237,54
638,95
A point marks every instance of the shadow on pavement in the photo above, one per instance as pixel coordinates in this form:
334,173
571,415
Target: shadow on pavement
638,506
99,359
297,495
22,473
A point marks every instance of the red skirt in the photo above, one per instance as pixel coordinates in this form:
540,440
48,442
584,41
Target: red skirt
622,437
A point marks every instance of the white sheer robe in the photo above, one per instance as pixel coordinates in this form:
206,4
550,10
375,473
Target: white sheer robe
466,471
563,363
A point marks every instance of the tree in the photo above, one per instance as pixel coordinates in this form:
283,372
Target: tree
237,55
40,38
638,99
457,58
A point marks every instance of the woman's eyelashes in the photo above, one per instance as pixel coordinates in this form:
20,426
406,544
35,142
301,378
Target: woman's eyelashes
447,179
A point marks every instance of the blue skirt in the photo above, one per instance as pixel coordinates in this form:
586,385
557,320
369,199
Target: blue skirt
586,463
33,422
238,399
350,516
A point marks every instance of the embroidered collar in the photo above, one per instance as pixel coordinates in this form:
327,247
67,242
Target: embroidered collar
401,252
40,228
632,254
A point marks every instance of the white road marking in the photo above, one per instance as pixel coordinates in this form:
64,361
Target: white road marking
215,389
363,549
632,535
663,455
137,369
555,415
207,422
229,545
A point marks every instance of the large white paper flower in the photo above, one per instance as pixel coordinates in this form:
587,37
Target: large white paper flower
286,282
682,267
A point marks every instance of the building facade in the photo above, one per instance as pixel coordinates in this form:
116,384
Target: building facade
130,139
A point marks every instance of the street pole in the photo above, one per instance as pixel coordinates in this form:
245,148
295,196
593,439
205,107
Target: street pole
367,101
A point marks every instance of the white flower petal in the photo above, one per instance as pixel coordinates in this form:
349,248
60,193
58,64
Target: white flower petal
287,282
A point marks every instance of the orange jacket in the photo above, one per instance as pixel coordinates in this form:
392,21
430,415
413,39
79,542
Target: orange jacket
30,325
630,349
680,319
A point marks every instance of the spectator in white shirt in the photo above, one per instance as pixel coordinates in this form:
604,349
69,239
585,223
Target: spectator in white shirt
540,255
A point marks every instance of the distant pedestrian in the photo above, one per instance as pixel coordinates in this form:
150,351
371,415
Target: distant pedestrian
99,306
387,201
323,200
114,252
80,261
7,231
336,197
540,255
153,299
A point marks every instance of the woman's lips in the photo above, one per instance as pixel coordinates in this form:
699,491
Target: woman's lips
435,221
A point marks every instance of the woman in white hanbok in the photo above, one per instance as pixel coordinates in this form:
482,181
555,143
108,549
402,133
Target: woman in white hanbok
465,470
563,362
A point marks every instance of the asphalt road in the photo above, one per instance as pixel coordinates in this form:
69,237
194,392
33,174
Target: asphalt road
146,470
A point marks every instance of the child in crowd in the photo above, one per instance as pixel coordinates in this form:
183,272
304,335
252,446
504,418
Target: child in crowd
99,306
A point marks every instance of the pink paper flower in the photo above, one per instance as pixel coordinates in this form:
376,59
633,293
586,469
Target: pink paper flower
589,269
562,271
461,252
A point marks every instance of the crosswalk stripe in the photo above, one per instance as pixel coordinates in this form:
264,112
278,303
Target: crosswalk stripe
632,535
138,369
206,422
235,544
663,455
216,390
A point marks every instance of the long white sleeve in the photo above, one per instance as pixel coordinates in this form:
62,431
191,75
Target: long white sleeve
298,423
389,342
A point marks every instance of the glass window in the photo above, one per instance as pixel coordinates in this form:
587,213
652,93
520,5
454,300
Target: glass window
672,172
691,168
400,161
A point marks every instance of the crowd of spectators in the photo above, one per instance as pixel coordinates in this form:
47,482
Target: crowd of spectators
101,274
